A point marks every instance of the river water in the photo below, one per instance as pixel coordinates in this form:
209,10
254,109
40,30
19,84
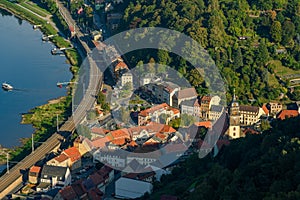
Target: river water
27,64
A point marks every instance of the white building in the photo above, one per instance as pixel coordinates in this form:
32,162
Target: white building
113,158
126,78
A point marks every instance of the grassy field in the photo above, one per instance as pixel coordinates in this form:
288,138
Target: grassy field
280,70
39,11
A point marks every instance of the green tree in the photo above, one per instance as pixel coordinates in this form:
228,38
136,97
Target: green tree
263,54
276,31
238,58
288,32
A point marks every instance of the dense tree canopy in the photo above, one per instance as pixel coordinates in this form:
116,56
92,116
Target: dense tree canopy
241,36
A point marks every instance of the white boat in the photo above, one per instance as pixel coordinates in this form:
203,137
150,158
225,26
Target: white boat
7,86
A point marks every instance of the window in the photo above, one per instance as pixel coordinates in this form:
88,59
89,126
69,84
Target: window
233,134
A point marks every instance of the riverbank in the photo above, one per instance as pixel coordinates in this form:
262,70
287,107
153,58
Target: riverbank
44,117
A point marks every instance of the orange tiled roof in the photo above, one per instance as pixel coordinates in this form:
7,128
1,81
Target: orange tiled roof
120,65
206,124
287,114
72,153
133,143
35,169
121,133
265,109
61,158
167,129
146,112
119,142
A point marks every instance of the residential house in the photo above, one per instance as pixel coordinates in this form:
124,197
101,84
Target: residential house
143,158
250,115
70,158
190,107
55,176
97,132
153,114
205,106
215,112
115,158
183,95
126,78
34,174
284,114
127,188
274,107
67,193
119,68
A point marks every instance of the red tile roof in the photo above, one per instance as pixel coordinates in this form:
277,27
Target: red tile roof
206,124
146,112
120,134
61,158
68,193
265,109
287,114
100,142
72,153
96,178
120,65
35,169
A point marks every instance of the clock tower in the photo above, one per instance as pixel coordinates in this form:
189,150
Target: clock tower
234,130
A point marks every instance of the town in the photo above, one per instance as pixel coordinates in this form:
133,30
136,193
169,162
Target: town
140,126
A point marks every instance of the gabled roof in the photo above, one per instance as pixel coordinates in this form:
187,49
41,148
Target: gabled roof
151,110
99,131
35,169
287,114
68,193
100,142
95,194
254,109
120,65
265,109
56,171
216,108
61,158
187,93
96,178
190,103
73,153
206,124
78,188
206,99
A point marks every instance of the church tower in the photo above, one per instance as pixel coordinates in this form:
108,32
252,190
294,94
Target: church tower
234,130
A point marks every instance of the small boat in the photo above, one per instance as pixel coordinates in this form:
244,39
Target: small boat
7,86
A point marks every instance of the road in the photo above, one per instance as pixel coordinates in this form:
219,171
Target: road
14,177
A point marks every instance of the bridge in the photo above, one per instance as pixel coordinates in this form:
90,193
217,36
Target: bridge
14,178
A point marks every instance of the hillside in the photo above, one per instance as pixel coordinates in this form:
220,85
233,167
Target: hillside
248,39
263,166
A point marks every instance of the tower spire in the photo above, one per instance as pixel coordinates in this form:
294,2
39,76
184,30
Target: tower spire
234,97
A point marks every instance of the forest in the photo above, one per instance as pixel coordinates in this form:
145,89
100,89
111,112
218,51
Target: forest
265,166
254,43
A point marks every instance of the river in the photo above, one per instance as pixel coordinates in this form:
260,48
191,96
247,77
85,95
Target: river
27,64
